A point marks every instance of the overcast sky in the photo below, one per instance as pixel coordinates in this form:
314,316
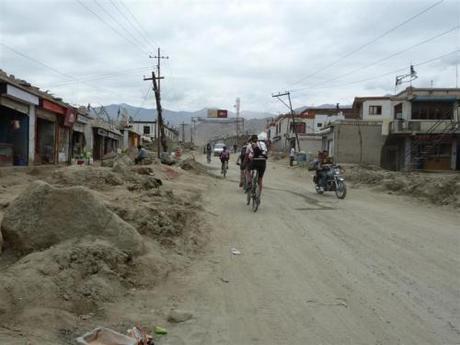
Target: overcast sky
97,50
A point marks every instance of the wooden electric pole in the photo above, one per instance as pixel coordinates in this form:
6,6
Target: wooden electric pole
287,93
161,138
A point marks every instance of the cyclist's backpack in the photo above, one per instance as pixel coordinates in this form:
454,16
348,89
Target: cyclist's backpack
224,155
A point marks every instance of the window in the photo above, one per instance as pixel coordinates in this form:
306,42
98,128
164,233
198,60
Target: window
319,124
432,110
146,130
375,110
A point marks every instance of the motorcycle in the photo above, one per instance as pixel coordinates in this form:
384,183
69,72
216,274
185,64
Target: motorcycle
335,182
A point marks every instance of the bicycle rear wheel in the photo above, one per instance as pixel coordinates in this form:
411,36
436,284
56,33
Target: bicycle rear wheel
255,193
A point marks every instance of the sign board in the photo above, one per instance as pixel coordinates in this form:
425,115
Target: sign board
70,117
217,113
55,108
21,95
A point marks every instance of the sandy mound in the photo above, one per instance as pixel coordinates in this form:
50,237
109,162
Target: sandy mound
88,176
43,216
440,189
190,164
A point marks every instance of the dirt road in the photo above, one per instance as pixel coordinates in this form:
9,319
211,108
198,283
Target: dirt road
371,269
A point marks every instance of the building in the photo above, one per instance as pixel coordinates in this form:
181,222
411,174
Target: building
145,128
308,126
417,128
424,130
107,138
35,127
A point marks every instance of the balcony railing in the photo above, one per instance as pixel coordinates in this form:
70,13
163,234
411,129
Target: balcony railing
420,126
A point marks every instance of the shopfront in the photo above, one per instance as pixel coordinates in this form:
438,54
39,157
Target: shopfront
105,141
53,132
45,137
16,107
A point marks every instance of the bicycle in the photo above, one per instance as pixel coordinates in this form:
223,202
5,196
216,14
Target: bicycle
254,192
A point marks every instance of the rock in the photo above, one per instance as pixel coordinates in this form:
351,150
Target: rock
177,316
113,180
142,170
43,216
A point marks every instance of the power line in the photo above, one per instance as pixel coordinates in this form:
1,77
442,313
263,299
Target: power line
370,42
123,28
388,57
68,76
54,69
381,75
102,76
137,22
141,34
110,26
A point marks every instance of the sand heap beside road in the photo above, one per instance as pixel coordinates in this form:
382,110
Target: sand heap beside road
438,188
72,246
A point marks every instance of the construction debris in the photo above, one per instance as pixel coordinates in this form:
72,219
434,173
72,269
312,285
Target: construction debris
438,188
105,336
44,216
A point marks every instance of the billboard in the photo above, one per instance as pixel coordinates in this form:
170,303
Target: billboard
217,113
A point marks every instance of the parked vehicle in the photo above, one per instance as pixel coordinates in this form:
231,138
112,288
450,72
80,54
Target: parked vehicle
218,148
335,182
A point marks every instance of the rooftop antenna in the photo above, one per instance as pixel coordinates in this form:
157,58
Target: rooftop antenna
406,78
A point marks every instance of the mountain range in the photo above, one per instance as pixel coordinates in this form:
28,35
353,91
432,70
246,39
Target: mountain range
170,116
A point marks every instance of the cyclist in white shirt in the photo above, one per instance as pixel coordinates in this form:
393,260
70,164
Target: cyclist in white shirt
257,155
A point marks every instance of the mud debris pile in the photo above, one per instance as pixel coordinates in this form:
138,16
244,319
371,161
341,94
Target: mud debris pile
86,236
437,188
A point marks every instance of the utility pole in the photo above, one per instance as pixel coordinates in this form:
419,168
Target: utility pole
288,94
183,133
156,88
237,106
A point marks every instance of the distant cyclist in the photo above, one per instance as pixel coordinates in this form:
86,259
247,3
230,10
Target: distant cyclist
224,158
208,152
257,155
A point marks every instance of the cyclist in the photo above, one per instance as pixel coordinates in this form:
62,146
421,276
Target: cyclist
257,158
208,152
242,162
224,158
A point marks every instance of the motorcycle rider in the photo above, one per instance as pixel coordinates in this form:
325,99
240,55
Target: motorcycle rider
323,165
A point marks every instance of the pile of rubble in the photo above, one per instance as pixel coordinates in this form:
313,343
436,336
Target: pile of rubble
438,188
68,248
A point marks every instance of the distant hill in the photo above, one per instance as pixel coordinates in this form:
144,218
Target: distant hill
170,116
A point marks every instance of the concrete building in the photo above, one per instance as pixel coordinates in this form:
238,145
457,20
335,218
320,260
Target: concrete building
415,129
35,127
424,131
354,141
145,128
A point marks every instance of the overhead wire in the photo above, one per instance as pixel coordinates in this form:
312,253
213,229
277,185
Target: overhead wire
137,22
121,26
110,26
383,59
386,73
370,42
56,70
129,21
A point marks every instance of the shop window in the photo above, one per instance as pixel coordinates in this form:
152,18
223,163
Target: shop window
146,130
375,110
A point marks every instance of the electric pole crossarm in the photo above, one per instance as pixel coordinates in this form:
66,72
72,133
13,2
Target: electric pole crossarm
289,106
